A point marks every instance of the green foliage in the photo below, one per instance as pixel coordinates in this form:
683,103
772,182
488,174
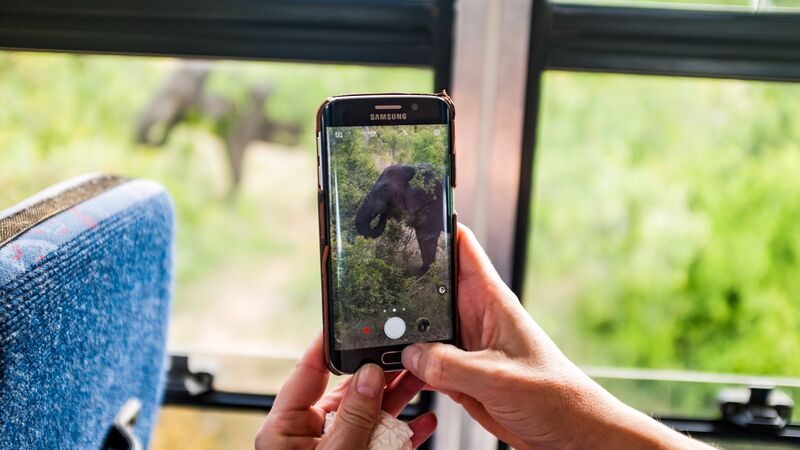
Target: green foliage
666,223
352,173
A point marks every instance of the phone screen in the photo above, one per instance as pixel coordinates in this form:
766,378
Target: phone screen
391,243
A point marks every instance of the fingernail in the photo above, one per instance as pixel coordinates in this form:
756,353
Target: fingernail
411,357
369,380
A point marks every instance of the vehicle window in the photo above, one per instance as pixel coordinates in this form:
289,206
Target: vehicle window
665,224
234,144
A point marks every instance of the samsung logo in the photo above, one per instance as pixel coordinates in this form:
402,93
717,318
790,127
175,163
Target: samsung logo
388,116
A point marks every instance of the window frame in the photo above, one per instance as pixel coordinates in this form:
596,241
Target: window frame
380,32
179,377
717,44
590,38
416,33
420,33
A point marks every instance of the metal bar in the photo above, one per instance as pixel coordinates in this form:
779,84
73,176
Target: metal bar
705,429
699,428
489,85
537,61
443,47
376,32
720,44
490,79
241,401
621,373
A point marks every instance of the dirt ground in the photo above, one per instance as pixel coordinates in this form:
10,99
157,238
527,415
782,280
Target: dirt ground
268,304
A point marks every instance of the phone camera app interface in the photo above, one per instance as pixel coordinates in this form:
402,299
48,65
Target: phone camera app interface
390,246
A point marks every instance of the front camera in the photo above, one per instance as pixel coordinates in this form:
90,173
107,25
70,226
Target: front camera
414,106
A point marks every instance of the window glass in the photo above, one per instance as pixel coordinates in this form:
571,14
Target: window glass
678,397
786,4
203,429
247,271
731,444
666,223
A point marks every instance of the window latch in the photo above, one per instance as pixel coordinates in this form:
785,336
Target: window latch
180,379
761,407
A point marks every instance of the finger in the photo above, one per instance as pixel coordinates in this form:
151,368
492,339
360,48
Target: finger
472,259
423,427
444,366
307,382
400,392
358,412
331,400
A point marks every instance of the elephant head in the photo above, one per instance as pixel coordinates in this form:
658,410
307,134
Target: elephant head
395,196
384,199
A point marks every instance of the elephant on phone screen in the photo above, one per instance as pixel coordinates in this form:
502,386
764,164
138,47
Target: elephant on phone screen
409,193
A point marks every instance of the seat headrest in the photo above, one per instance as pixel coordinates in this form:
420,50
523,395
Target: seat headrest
85,283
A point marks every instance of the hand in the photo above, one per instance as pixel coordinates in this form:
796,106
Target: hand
516,383
298,415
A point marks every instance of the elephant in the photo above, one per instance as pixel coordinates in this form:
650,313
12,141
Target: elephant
184,93
174,99
419,204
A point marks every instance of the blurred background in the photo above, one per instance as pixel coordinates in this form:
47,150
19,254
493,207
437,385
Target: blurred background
663,222
247,271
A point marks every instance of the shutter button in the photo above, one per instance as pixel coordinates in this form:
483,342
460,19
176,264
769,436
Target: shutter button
395,328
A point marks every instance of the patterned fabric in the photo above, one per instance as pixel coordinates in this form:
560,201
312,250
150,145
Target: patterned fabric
24,216
389,434
84,302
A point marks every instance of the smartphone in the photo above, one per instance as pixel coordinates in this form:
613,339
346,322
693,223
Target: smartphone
386,173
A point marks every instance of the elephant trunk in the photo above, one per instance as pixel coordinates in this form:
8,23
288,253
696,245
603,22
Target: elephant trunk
364,217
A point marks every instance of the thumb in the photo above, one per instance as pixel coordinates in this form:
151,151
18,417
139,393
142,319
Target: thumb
359,411
472,258
444,366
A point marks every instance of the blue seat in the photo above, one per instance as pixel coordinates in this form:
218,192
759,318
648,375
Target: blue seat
85,284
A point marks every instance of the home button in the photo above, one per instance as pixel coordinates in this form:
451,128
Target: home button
392,357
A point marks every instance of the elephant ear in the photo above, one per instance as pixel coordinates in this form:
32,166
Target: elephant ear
420,193
407,172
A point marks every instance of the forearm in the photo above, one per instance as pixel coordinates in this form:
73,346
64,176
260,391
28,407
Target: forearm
622,427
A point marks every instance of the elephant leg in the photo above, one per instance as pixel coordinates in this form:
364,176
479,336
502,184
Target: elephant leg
246,129
236,145
427,248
